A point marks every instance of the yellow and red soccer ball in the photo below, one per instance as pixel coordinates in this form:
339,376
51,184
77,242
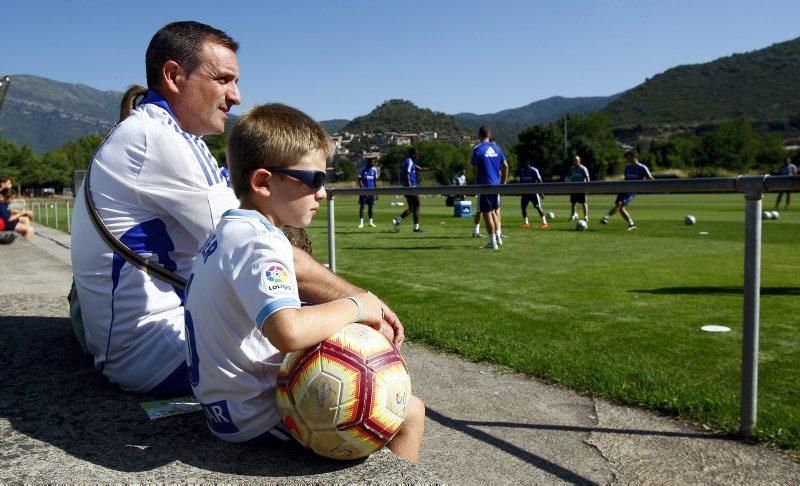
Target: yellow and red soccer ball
346,397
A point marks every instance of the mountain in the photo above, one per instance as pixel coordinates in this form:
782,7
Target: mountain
335,125
761,85
405,117
46,114
506,124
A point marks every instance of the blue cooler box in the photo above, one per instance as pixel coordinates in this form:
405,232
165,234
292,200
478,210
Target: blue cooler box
462,209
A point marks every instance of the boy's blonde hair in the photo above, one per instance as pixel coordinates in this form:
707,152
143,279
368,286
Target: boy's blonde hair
271,135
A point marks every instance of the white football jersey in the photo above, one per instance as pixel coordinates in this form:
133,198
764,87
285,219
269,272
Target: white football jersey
158,189
243,274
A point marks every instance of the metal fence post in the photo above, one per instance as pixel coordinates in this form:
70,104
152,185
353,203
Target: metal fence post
750,324
331,236
69,221
56,206
46,214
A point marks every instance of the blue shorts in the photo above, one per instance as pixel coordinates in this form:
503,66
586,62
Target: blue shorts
10,225
488,202
176,384
625,198
530,198
369,200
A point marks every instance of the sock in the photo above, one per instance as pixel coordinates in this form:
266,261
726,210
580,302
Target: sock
477,228
362,220
370,220
526,220
631,223
416,226
493,237
544,220
499,235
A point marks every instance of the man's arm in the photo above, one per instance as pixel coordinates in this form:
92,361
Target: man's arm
319,285
504,172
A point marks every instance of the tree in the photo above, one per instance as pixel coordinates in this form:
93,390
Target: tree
543,146
345,170
732,146
591,138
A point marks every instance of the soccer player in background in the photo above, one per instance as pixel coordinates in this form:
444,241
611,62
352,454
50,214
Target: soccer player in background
634,171
578,173
408,174
366,180
787,169
491,167
530,175
243,310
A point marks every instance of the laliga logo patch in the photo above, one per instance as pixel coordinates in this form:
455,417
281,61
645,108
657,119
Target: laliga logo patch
276,274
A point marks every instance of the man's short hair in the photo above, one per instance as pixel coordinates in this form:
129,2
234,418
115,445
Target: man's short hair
181,42
484,132
271,135
632,153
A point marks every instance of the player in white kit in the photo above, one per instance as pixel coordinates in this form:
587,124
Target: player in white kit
243,310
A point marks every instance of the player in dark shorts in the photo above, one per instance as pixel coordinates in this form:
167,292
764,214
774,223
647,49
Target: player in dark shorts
409,178
578,173
530,175
634,171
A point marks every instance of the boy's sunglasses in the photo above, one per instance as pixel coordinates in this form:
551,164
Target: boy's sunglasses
314,179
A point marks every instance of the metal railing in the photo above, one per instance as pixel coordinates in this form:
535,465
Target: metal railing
56,213
753,188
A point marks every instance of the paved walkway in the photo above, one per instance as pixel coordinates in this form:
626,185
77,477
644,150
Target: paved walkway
62,422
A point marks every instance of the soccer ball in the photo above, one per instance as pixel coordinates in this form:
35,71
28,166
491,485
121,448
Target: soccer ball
346,397
689,219
766,215
581,225
551,215
776,215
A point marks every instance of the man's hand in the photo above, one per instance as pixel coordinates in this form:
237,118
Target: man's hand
391,327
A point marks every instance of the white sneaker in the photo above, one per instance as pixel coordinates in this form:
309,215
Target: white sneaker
396,224
491,246
574,217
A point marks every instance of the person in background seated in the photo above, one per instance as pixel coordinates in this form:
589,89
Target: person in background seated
19,221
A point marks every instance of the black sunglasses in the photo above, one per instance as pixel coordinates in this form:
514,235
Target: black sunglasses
314,179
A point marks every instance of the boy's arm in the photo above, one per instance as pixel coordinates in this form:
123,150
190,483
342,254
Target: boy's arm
293,329
319,285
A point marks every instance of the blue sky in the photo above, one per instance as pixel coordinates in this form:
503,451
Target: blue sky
340,59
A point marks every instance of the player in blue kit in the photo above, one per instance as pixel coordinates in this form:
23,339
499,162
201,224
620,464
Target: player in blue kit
491,168
408,175
366,180
530,175
634,171
243,311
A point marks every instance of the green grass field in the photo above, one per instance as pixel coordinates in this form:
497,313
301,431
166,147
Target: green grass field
611,313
